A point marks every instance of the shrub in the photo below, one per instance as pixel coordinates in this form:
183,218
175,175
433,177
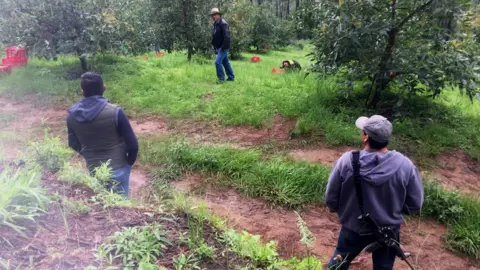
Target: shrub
50,153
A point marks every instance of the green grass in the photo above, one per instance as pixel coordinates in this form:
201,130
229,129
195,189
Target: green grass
281,181
278,180
22,197
171,86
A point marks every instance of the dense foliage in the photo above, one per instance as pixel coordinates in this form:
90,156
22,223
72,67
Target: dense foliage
83,27
418,46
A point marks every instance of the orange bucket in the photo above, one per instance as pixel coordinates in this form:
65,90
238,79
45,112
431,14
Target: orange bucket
159,54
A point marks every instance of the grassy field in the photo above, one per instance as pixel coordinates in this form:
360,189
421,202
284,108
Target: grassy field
171,86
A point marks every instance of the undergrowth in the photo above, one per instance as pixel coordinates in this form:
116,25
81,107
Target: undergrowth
22,198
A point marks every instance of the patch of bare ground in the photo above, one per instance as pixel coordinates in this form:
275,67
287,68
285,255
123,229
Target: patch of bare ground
279,131
421,238
456,170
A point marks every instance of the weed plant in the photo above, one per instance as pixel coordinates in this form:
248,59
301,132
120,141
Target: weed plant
50,153
138,244
23,199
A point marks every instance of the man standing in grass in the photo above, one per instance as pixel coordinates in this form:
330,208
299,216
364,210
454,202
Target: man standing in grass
221,45
387,186
101,132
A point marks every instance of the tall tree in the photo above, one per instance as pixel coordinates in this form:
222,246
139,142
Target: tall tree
395,42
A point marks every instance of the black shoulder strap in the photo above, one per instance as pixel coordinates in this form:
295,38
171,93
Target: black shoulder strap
356,177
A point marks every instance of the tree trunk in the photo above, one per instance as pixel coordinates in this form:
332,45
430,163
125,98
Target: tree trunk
382,77
288,7
297,4
83,63
187,31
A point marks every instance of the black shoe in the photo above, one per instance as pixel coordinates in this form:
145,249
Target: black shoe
230,80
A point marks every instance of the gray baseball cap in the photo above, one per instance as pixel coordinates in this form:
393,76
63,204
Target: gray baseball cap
377,127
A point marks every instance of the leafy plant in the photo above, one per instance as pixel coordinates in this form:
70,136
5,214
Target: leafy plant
204,251
308,239
50,153
186,262
250,246
75,208
108,198
137,244
23,199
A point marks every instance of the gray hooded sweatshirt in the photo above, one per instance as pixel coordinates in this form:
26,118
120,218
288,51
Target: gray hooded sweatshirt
391,186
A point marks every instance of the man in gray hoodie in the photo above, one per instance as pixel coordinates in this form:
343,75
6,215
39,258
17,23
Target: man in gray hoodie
391,187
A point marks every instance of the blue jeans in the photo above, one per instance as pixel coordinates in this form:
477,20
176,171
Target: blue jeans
350,244
222,62
121,180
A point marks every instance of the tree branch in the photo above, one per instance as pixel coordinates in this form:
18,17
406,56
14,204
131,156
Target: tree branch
417,10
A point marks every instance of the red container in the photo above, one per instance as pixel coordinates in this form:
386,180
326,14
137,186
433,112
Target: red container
15,57
159,54
255,59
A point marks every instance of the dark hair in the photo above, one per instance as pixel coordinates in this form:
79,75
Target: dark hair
375,145
92,84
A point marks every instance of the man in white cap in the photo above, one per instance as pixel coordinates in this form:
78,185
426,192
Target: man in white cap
373,183
221,45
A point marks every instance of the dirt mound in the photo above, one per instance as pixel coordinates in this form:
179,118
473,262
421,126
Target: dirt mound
421,238
459,171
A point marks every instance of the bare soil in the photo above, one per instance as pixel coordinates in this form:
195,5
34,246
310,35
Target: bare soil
421,238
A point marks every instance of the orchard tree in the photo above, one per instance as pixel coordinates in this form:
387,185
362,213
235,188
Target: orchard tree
386,42
184,25
49,27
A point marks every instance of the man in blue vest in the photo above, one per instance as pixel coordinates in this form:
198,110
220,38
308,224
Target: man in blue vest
221,44
101,132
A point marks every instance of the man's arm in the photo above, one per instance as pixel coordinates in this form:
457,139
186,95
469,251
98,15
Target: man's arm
226,36
73,141
126,132
334,187
414,199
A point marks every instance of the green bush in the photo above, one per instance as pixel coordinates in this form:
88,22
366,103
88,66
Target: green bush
50,153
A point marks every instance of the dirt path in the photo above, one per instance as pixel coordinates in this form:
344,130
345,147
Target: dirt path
422,239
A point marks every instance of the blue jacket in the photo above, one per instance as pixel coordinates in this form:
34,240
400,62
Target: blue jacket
391,187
